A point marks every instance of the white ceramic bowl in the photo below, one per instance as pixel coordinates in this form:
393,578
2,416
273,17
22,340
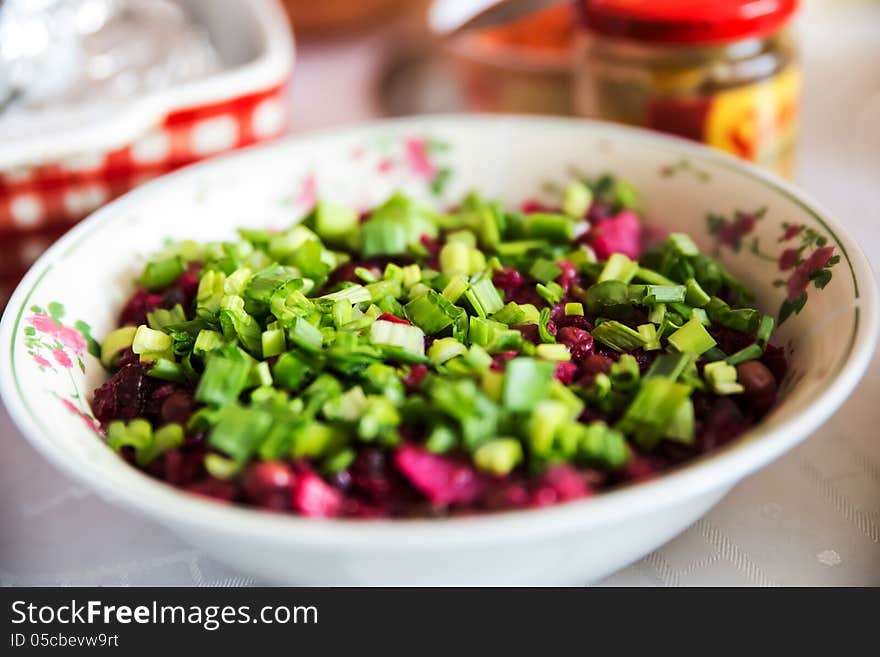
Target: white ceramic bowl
87,275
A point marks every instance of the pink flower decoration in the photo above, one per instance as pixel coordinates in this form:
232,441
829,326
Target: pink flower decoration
43,323
417,158
62,358
308,191
88,419
819,258
42,362
728,235
745,224
790,232
787,259
797,284
385,166
72,339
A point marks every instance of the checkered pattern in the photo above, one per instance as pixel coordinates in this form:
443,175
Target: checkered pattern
64,192
38,204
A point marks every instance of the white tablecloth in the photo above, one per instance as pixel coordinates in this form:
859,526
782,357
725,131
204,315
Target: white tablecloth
812,518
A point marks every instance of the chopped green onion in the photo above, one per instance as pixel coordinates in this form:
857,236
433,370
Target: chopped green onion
652,277
526,382
653,410
499,457
552,293
669,366
207,341
456,286
382,236
162,273
239,431
625,373
305,335
574,309
547,419
151,345
432,312
618,268
333,223
681,429
544,271
115,343
455,258
483,296
745,320
692,338
167,370
543,327
442,439
291,372
696,296
556,352
223,380
273,343
682,244
608,299
650,336
577,199
161,318
603,445
407,337
551,227
163,439
618,336
765,328
721,377
445,349
752,352
221,467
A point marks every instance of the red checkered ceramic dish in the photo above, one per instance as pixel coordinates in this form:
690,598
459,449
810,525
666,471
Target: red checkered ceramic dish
52,179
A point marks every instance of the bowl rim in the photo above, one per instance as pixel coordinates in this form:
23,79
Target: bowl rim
271,68
715,471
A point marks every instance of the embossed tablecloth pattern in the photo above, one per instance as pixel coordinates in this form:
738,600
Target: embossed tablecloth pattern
811,518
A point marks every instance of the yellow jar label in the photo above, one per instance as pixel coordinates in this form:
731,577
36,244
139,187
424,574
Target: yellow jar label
757,122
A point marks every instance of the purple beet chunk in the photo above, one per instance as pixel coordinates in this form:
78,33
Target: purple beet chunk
123,397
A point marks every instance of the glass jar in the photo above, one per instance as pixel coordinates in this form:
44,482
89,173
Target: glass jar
721,72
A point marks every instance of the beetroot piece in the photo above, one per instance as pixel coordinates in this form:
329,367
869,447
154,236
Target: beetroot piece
507,280
565,372
619,234
314,497
216,489
269,484
504,494
774,359
134,313
569,274
371,476
442,480
638,468
499,362
417,374
723,422
534,205
574,338
567,482
182,467
124,396
177,407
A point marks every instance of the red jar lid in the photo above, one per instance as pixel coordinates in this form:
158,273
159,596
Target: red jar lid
686,21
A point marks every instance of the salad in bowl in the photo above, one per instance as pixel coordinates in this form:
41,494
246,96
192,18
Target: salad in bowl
405,361
471,349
